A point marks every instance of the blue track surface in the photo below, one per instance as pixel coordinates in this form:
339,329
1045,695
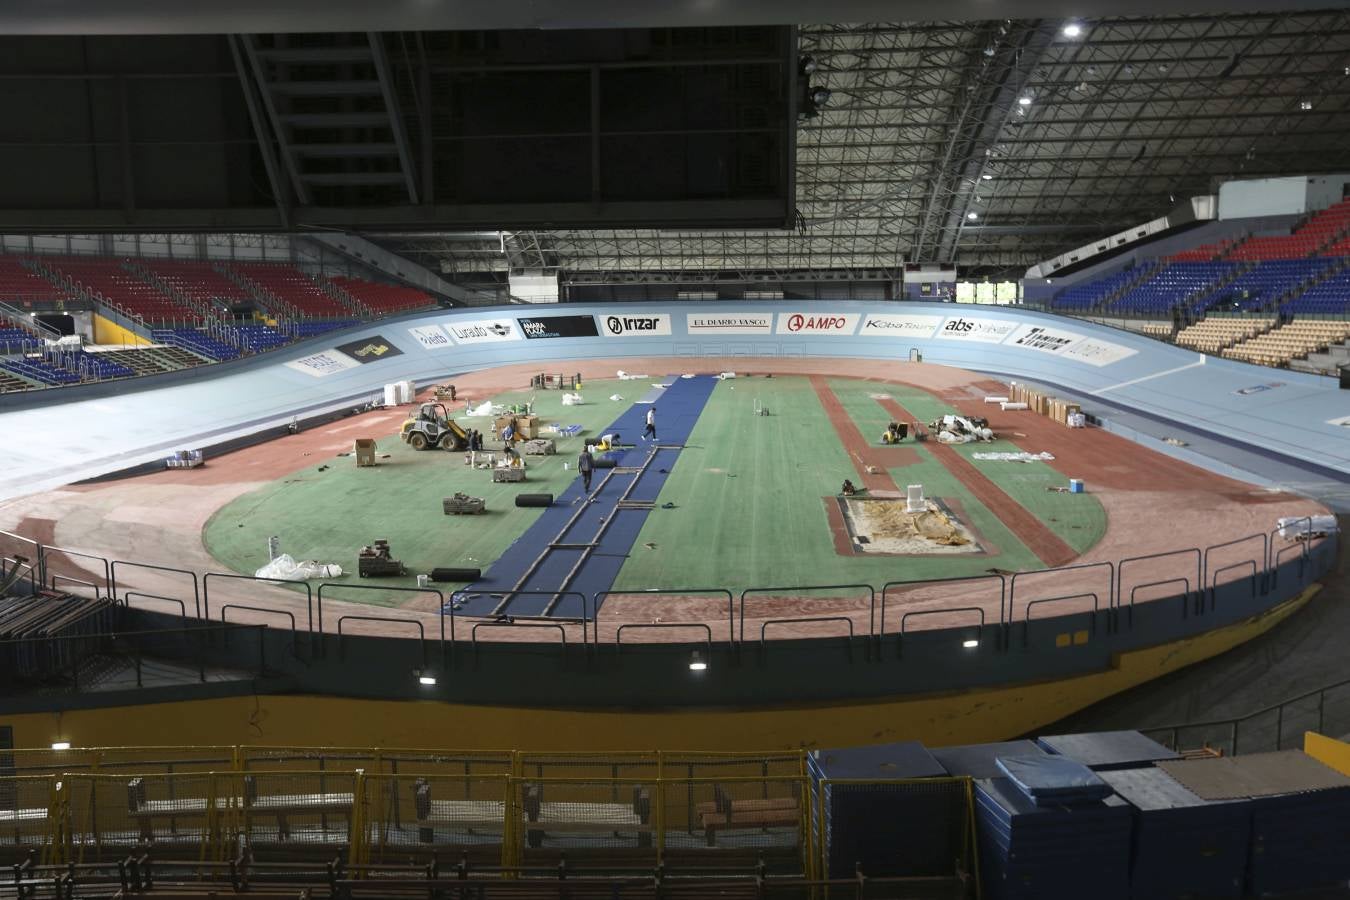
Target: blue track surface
677,410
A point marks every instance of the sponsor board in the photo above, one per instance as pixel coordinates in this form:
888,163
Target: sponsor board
817,323
369,350
433,337
972,328
1043,338
1096,352
321,364
743,323
1258,388
890,325
558,327
483,331
636,326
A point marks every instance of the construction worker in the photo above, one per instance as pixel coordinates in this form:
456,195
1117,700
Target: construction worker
586,465
651,424
509,432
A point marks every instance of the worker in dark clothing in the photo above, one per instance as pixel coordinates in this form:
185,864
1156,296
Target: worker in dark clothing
586,465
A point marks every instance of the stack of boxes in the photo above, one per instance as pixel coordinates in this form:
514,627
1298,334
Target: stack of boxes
1062,411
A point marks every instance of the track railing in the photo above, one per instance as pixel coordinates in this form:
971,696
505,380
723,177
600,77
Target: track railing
865,608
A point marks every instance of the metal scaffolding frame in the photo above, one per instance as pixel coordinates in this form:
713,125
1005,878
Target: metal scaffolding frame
924,152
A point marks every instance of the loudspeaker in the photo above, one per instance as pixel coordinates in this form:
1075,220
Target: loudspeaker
456,574
534,499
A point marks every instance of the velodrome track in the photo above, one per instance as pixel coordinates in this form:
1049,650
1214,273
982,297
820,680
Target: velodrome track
106,428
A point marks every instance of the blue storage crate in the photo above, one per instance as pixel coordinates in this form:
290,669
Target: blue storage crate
888,830
1051,852
1184,846
1105,750
1299,841
980,760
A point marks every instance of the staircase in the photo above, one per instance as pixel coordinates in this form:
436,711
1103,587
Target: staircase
1190,302
205,310
332,105
285,314
335,290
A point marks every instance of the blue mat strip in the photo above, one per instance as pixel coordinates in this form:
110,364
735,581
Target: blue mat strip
676,415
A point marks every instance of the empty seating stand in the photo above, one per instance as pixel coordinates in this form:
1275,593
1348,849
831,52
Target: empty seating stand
198,342
107,281
384,299
1173,285
294,288
1213,333
1289,341
19,284
199,281
1089,296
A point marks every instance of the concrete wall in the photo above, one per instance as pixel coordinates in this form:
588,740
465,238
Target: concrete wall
1295,195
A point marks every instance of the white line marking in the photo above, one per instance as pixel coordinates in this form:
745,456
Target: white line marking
1112,387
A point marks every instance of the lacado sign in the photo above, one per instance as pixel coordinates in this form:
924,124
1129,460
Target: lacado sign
817,323
969,328
484,331
882,325
746,323
433,337
636,326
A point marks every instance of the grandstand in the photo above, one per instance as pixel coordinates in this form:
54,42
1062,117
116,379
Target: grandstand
384,299
109,282
285,288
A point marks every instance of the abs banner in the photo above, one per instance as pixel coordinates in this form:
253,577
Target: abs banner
891,325
369,350
322,364
970,328
636,326
558,327
433,337
817,323
483,331
742,323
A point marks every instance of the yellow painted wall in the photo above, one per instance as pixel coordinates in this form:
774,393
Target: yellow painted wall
106,331
936,719
1328,751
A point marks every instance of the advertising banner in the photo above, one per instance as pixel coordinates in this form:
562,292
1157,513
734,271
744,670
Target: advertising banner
558,327
1043,338
975,329
901,326
729,323
433,337
321,364
1096,352
636,326
369,350
817,323
483,331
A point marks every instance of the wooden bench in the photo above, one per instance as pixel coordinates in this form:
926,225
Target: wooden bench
566,817
282,806
726,814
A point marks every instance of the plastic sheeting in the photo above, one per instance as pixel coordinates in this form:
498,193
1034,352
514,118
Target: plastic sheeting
1003,456
572,400
1302,526
287,568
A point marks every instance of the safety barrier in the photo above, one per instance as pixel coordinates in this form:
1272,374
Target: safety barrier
1253,558
208,803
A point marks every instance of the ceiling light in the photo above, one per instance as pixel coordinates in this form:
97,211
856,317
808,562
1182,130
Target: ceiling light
1305,105
1023,101
970,644
820,96
987,177
807,65
61,745
697,663
1073,29
972,216
425,678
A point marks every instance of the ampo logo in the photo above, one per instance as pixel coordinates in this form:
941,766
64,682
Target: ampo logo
799,322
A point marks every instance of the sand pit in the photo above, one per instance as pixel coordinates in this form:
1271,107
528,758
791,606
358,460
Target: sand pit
883,525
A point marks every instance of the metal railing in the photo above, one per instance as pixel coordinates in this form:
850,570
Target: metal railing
1099,588
1325,710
